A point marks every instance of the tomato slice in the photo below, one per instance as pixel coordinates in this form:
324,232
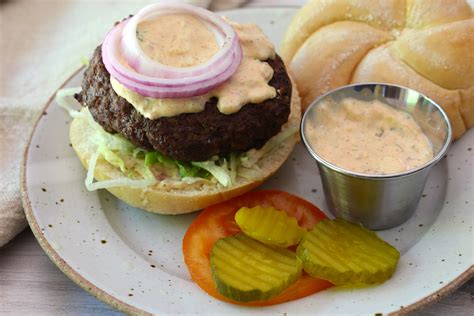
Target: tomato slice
217,222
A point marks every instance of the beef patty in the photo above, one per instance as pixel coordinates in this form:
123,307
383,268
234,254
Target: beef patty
190,136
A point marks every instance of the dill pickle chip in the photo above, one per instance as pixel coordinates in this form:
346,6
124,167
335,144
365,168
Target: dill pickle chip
346,253
246,270
270,226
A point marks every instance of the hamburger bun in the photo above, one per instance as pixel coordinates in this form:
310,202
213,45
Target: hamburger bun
426,45
182,198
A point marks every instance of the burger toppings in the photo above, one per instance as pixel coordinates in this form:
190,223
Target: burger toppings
246,270
249,84
177,40
171,111
218,222
171,59
233,254
153,108
128,64
269,225
346,253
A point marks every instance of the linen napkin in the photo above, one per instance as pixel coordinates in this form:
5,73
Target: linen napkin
41,43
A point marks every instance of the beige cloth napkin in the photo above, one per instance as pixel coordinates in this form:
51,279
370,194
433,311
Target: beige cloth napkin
41,43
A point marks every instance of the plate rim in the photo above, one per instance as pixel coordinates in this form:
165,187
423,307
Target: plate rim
109,299
120,305
61,264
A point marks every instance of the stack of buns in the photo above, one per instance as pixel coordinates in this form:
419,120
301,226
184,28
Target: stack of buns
427,45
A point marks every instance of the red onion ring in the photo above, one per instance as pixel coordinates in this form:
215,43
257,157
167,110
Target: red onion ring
113,39
166,92
145,65
171,82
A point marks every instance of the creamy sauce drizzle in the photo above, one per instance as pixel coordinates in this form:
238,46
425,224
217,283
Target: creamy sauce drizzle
153,108
368,137
178,40
249,84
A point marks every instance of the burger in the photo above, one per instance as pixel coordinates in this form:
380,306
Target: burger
181,109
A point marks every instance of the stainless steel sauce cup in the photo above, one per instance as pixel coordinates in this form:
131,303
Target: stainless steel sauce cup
380,201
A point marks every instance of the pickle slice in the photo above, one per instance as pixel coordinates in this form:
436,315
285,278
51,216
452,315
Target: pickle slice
346,253
270,226
246,270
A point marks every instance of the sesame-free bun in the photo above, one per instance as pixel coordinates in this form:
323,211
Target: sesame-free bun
181,198
426,45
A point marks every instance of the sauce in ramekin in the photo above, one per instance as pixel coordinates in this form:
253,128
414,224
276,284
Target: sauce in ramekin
367,137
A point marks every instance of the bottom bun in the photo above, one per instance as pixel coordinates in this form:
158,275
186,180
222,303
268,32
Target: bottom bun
183,198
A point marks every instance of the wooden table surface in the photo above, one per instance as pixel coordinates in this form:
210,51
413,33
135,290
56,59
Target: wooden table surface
30,284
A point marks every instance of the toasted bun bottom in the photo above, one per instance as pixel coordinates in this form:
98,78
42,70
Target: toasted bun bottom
187,198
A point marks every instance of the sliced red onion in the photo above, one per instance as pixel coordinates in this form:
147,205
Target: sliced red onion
145,65
113,39
180,91
166,81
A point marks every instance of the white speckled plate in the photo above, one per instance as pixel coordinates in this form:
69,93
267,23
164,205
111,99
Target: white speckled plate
132,259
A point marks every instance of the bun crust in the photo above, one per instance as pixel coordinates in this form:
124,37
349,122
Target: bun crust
185,198
333,66
426,45
382,65
383,15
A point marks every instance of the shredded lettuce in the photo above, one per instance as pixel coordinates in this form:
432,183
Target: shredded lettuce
221,174
251,174
111,157
110,147
233,167
151,158
138,153
65,99
92,186
187,170
142,170
251,157
154,157
140,165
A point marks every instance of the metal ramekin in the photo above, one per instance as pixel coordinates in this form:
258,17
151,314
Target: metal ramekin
381,201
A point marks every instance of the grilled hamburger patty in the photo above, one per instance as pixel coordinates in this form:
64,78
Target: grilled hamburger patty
190,136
